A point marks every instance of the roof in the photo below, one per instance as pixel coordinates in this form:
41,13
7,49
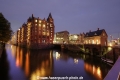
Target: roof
94,33
62,31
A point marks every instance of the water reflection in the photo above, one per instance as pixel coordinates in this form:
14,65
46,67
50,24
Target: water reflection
4,66
92,69
27,64
76,61
45,63
35,63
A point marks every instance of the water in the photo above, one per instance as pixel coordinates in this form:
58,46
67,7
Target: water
21,64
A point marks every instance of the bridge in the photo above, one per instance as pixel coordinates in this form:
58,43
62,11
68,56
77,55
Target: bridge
107,53
86,48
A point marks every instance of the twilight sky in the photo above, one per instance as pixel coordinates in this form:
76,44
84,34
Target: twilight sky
76,16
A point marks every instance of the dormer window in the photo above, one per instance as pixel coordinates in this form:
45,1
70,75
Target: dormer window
95,34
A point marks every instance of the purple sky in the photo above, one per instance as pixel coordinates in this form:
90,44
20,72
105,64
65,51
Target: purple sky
76,16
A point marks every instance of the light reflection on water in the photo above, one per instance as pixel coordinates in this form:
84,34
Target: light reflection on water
45,63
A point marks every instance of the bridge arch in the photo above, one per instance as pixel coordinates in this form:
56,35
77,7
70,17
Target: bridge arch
95,51
87,50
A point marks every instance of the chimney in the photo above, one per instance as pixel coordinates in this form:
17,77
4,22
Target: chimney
98,28
90,31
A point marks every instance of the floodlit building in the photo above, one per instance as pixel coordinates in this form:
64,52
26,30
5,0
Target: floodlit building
61,37
74,39
98,37
36,32
14,39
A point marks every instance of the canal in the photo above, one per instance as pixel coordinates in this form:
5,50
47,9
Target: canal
21,64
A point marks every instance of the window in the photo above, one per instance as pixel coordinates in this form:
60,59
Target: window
43,41
103,34
43,25
92,41
39,24
47,34
43,33
89,41
95,34
97,42
39,21
36,20
50,25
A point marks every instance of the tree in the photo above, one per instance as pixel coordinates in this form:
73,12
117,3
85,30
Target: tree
5,29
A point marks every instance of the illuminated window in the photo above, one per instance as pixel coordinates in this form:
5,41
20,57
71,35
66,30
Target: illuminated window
89,41
93,42
50,25
39,21
97,42
47,34
43,33
103,34
39,24
43,25
36,20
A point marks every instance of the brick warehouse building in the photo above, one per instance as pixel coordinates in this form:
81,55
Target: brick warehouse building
36,33
98,37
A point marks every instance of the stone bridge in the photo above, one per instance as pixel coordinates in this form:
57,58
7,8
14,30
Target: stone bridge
91,49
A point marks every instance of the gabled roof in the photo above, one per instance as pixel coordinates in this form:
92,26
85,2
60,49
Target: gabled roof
94,33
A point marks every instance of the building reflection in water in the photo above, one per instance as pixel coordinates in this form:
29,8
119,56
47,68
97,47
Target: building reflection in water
27,64
92,69
35,63
57,56
13,49
18,58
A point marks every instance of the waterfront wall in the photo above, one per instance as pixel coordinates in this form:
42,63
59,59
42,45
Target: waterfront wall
114,72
